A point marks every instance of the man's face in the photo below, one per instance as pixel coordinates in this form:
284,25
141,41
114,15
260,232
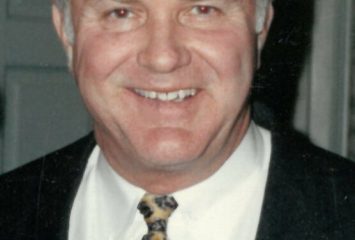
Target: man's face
167,82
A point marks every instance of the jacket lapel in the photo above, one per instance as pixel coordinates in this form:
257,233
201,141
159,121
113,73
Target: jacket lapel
283,203
297,197
60,180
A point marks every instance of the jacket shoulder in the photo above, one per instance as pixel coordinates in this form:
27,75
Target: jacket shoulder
59,158
299,153
21,190
320,186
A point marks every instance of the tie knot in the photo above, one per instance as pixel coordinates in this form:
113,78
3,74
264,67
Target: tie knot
156,211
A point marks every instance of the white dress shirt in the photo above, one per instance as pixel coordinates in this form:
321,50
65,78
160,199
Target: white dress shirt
225,206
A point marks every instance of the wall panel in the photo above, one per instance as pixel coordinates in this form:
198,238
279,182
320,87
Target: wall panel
43,112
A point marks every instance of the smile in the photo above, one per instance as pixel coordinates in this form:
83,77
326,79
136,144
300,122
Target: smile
176,96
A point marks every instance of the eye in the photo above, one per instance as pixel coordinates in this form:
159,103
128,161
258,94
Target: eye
120,13
203,10
122,18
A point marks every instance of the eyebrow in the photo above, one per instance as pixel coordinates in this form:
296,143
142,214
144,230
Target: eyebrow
119,1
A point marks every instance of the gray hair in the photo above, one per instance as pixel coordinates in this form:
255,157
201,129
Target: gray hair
261,8
64,7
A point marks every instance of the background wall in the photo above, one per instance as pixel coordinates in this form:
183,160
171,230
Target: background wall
352,104
305,76
40,109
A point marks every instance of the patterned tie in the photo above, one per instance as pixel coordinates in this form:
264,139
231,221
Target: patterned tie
156,211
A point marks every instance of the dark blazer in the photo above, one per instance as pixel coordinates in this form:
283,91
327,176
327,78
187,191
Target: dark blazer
310,194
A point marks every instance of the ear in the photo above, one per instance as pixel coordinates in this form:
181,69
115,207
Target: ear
59,25
262,35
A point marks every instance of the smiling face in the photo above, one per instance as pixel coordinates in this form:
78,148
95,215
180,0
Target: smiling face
166,82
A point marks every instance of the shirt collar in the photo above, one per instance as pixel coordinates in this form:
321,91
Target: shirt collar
247,160
120,196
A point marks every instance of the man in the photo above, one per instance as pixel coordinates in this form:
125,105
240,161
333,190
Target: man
167,84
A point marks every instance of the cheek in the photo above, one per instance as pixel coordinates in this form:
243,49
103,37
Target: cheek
230,52
232,56
95,58
98,55
236,57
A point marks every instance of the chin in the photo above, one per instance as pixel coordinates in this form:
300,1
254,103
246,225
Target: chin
171,153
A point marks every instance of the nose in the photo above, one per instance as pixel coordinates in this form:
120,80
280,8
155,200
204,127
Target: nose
164,50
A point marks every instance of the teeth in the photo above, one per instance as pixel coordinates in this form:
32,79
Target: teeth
152,95
176,96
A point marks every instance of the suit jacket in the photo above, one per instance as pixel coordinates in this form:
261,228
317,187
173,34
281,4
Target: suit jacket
310,194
